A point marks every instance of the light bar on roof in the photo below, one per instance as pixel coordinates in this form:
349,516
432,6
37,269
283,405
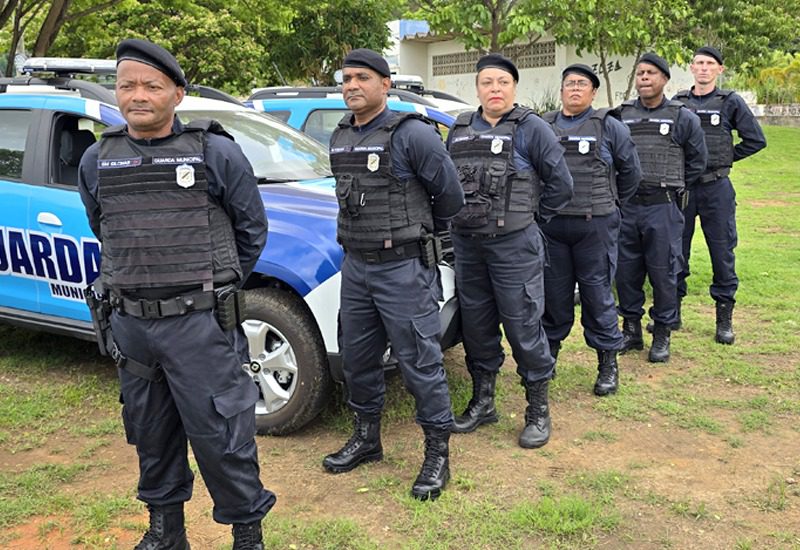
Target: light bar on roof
68,65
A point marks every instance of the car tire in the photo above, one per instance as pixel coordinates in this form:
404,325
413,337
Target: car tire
288,361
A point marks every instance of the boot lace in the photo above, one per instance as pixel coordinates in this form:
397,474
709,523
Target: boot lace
537,403
152,536
430,465
245,537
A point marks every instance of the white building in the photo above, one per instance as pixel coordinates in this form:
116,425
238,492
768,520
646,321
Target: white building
444,65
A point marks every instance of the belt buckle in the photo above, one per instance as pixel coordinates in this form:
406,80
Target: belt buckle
150,309
371,257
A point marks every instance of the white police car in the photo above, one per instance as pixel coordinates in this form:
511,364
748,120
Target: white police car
48,254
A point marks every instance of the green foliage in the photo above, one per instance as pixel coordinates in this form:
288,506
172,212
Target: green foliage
747,32
320,34
483,25
213,46
778,82
621,27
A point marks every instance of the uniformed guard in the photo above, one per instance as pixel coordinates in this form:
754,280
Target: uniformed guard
582,238
513,172
672,152
396,188
182,224
713,197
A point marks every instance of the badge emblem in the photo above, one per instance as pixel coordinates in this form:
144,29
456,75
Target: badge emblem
497,146
184,175
715,119
663,129
583,147
373,162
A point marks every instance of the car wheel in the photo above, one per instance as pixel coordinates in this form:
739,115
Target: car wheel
287,361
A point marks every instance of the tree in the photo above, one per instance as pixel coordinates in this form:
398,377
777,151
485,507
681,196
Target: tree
747,32
213,46
623,27
48,17
321,33
484,25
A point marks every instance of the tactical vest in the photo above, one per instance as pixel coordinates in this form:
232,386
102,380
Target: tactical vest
160,226
377,209
594,181
651,130
719,141
499,199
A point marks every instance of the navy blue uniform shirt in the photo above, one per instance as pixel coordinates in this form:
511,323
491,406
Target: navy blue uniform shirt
536,147
736,115
616,148
231,183
418,152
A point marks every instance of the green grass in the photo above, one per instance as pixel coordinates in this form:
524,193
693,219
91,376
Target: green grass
724,397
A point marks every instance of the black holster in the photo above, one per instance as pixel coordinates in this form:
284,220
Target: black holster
683,198
230,306
431,248
100,310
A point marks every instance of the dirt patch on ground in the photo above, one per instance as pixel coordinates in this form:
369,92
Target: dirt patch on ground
682,488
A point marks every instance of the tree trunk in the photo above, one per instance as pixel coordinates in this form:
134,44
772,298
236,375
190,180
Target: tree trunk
606,77
51,26
7,11
632,74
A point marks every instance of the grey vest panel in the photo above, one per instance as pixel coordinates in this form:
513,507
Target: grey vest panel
594,188
159,226
662,159
719,141
376,208
498,198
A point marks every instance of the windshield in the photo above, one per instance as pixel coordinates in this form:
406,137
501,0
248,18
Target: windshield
276,151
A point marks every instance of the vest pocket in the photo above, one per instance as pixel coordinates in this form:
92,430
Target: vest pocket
344,190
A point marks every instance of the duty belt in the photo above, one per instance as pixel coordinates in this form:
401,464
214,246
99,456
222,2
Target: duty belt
403,252
158,309
659,197
714,175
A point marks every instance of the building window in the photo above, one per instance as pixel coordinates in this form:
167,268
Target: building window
526,56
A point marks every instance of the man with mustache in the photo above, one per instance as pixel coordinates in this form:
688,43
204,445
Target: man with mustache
182,224
673,154
396,188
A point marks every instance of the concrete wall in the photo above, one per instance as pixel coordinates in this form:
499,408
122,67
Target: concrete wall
778,115
536,84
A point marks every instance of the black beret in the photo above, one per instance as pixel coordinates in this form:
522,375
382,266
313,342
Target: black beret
710,52
581,69
151,54
497,61
362,57
659,62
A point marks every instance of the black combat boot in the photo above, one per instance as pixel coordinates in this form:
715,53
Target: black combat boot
607,373
631,334
363,446
659,351
555,347
537,416
480,409
435,471
166,529
724,333
247,536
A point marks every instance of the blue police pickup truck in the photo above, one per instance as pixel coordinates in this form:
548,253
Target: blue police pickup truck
48,254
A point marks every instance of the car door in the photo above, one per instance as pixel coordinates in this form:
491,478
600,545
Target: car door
18,284
59,229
